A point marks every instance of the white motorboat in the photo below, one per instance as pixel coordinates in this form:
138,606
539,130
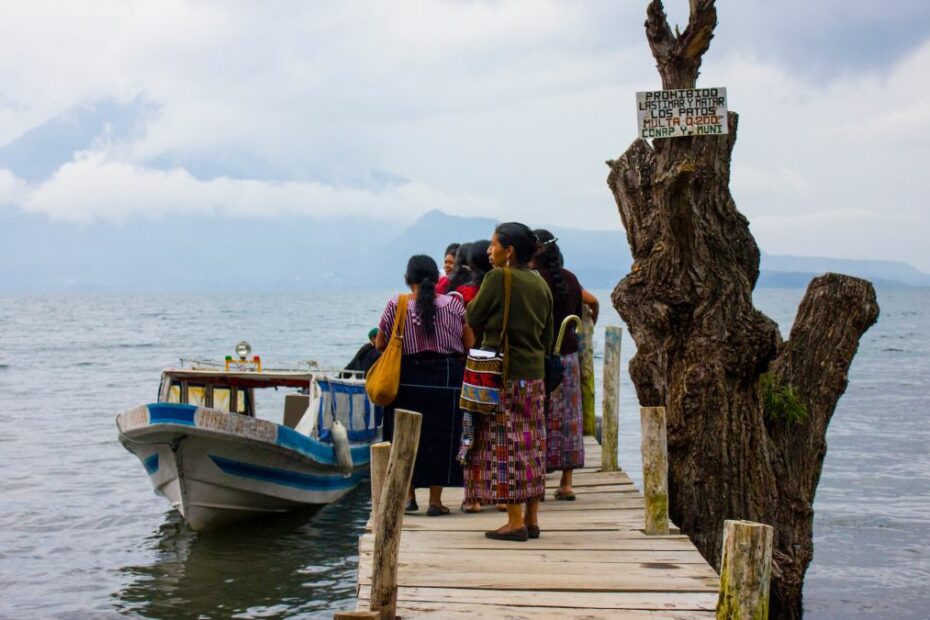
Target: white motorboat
205,450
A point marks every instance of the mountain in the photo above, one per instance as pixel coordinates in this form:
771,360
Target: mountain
210,253
889,273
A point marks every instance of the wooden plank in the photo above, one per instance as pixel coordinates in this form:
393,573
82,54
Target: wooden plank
592,561
620,540
474,568
470,611
578,556
560,582
695,601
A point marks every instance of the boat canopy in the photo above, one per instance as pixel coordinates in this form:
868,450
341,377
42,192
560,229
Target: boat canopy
241,378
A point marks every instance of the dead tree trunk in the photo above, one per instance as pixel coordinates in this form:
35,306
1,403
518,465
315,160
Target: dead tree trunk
706,354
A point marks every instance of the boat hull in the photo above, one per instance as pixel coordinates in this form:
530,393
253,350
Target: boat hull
218,468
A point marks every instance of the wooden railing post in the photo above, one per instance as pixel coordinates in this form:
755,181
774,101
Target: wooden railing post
611,407
380,455
655,470
391,511
745,571
586,361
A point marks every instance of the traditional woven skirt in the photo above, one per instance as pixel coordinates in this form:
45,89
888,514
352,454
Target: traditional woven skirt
565,424
430,384
507,462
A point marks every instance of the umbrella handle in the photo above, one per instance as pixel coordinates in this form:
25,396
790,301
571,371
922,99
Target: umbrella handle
571,318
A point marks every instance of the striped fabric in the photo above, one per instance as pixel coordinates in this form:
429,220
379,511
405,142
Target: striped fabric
449,324
565,426
507,463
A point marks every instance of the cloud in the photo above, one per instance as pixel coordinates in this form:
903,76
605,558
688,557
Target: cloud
92,187
505,110
13,190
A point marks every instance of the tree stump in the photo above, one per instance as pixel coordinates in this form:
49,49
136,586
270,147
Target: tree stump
390,519
380,457
610,410
745,571
655,470
586,361
704,352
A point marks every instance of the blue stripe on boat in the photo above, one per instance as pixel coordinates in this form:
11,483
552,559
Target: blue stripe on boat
285,477
172,413
151,464
318,450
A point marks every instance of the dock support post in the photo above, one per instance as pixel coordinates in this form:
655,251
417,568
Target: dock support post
380,455
391,519
586,351
745,570
655,470
611,407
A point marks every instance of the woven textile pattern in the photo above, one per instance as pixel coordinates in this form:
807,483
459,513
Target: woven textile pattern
507,463
565,423
481,385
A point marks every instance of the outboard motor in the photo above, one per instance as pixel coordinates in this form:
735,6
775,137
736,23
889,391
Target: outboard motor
341,448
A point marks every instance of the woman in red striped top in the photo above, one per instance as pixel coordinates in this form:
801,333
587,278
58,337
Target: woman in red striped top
434,344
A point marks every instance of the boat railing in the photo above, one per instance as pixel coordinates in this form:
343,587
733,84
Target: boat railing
311,366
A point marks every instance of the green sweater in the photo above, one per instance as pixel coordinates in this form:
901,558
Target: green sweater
529,327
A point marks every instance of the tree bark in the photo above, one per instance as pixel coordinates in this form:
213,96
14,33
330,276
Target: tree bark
702,346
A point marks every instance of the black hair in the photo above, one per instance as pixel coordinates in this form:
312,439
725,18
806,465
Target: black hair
452,248
548,258
478,260
422,271
460,273
520,237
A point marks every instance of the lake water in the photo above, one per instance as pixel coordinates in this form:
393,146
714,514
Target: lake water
83,536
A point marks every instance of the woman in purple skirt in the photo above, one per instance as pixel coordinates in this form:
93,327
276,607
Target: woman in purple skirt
565,427
507,463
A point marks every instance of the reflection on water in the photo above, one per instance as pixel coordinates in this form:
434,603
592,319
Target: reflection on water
300,564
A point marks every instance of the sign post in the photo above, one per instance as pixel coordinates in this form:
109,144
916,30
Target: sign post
679,113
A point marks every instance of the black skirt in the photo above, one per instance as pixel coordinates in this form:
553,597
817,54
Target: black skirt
430,384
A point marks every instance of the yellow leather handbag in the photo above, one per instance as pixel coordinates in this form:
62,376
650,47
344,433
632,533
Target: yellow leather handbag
383,378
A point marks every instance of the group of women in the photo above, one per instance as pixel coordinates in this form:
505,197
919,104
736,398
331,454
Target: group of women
504,457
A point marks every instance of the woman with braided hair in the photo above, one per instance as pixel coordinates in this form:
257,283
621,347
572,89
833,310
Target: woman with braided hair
564,423
434,343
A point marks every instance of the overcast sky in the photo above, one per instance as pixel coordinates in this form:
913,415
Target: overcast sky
113,110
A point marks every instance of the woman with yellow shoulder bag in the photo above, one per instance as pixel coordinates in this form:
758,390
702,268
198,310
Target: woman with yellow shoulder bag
433,344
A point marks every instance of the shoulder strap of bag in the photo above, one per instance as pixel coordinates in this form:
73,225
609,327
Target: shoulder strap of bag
399,317
505,341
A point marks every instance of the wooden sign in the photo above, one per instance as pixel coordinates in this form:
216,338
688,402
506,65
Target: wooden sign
677,113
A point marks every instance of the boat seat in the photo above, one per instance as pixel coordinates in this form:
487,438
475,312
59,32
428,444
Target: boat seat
294,407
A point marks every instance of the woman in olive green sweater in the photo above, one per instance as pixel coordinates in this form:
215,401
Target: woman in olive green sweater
507,464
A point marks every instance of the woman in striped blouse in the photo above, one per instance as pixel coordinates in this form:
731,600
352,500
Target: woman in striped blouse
435,340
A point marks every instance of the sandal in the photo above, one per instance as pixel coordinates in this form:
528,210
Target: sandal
473,510
436,511
532,531
564,497
411,506
518,535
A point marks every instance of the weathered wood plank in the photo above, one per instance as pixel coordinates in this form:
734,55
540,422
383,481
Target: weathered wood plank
574,556
423,566
470,611
563,582
593,560
620,540
695,601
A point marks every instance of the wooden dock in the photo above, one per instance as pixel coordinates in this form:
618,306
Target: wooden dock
592,560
